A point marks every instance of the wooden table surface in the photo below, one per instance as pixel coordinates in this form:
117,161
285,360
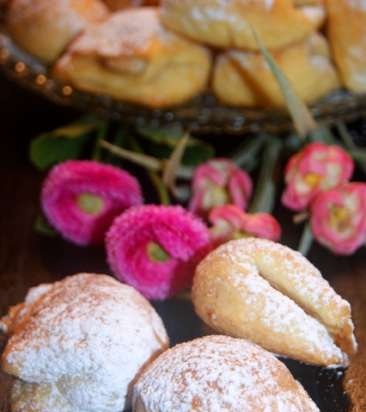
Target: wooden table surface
27,259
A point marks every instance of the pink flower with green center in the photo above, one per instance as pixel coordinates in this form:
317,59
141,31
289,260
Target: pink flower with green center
219,182
80,199
316,168
156,248
229,222
338,218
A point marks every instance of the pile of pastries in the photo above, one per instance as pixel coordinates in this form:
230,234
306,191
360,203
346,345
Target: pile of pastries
89,343
163,53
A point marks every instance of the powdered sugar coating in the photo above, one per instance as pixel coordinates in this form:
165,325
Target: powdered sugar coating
125,33
269,294
89,335
291,273
27,397
357,4
219,374
70,13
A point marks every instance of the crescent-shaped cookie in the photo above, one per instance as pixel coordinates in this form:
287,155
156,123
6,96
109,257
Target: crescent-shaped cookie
272,295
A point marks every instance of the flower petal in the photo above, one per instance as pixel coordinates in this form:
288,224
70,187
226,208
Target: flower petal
81,198
183,238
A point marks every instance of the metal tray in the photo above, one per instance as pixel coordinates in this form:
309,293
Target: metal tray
202,114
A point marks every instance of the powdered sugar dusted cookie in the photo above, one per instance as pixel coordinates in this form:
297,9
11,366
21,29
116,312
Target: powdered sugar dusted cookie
219,374
80,343
267,293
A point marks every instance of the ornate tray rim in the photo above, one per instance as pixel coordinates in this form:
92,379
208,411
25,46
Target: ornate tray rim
203,114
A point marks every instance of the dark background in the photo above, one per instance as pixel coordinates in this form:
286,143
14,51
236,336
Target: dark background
27,259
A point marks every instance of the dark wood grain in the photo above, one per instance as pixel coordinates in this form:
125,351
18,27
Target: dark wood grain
27,259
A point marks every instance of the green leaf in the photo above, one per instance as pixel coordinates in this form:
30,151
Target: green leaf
303,120
42,227
61,144
246,156
197,152
162,141
357,153
167,135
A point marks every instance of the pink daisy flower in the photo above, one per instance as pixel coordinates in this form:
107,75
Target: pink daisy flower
81,198
219,182
338,218
316,168
229,222
156,248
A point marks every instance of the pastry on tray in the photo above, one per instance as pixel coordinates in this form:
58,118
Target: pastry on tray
45,27
347,36
245,79
124,4
76,345
132,57
229,23
267,293
216,374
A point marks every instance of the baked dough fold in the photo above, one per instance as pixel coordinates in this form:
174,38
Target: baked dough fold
132,57
229,23
347,37
244,78
45,27
267,293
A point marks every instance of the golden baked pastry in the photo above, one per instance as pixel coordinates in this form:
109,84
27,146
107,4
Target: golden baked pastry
267,293
125,4
132,57
229,23
45,27
76,345
244,78
216,374
347,37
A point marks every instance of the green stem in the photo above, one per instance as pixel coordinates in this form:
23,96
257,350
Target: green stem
172,165
345,136
249,151
101,134
160,188
359,155
264,197
148,162
323,134
306,240
154,177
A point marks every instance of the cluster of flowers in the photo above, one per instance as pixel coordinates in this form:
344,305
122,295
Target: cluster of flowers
154,248
318,183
